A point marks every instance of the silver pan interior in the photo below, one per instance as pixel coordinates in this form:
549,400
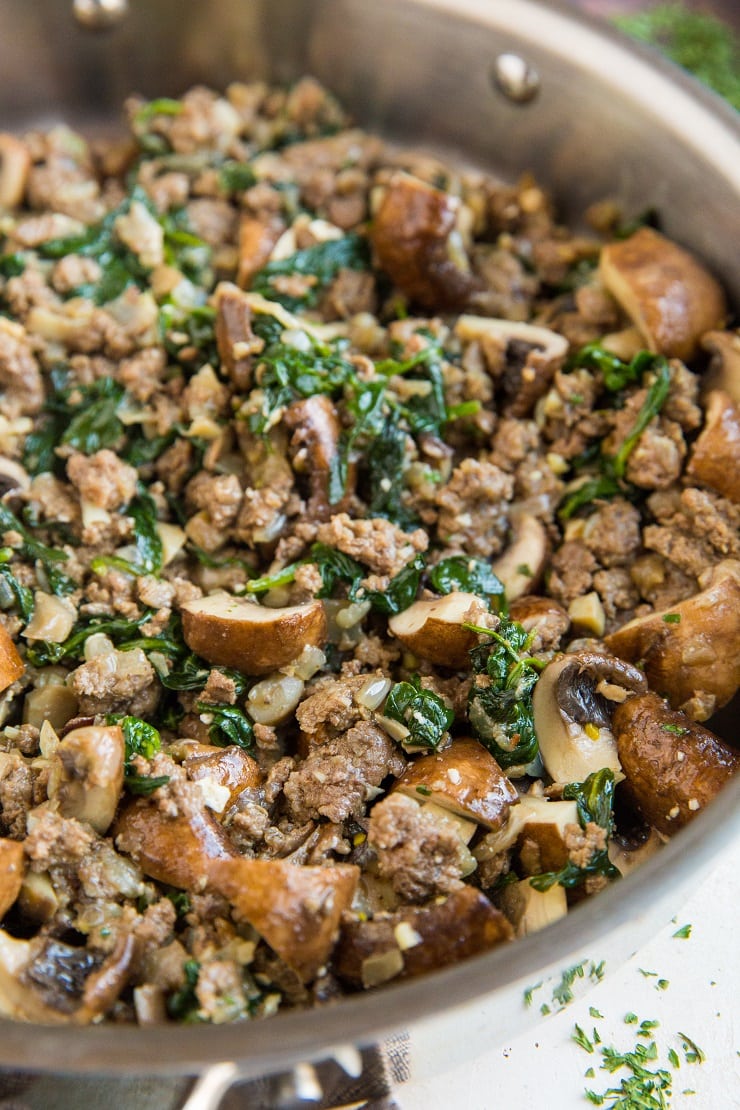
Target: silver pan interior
608,120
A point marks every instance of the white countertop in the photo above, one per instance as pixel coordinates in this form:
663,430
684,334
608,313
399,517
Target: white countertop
545,1068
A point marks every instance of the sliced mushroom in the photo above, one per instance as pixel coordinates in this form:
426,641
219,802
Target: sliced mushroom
256,241
690,653
296,910
11,664
316,428
15,162
715,457
86,774
230,768
674,768
531,355
544,824
669,296
417,243
178,850
627,858
573,702
434,630
105,984
521,565
465,779
37,899
235,340
254,639
11,873
53,618
531,910
18,1001
543,616
724,367
55,702
419,939
12,476
534,818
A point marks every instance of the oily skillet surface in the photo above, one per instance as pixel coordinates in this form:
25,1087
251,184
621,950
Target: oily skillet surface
656,886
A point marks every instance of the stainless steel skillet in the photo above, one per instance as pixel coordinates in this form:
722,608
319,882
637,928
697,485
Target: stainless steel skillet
607,120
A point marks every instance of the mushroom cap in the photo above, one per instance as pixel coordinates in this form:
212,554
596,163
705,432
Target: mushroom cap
715,457
464,778
567,698
296,910
674,768
175,850
412,234
433,629
670,297
11,664
254,639
697,654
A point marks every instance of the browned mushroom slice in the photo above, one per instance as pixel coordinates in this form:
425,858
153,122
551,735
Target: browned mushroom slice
86,775
257,240
254,639
674,767
296,910
18,1000
315,426
669,296
229,768
11,873
573,703
691,653
522,563
15,162
414,235
11,664
105,984
531,910
545,831
177,850
724,368
543,616
433,629
46,981
235,340
715,457
464,778
419,939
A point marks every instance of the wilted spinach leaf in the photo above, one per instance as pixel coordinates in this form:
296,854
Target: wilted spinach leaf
422,711
230,725
473,576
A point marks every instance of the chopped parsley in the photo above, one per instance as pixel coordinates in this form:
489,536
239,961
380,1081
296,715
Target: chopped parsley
683,933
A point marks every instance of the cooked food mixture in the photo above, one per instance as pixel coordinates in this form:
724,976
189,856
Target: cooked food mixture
370,558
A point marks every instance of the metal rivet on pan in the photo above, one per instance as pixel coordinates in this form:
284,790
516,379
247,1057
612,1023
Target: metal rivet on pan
96,15
513,76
